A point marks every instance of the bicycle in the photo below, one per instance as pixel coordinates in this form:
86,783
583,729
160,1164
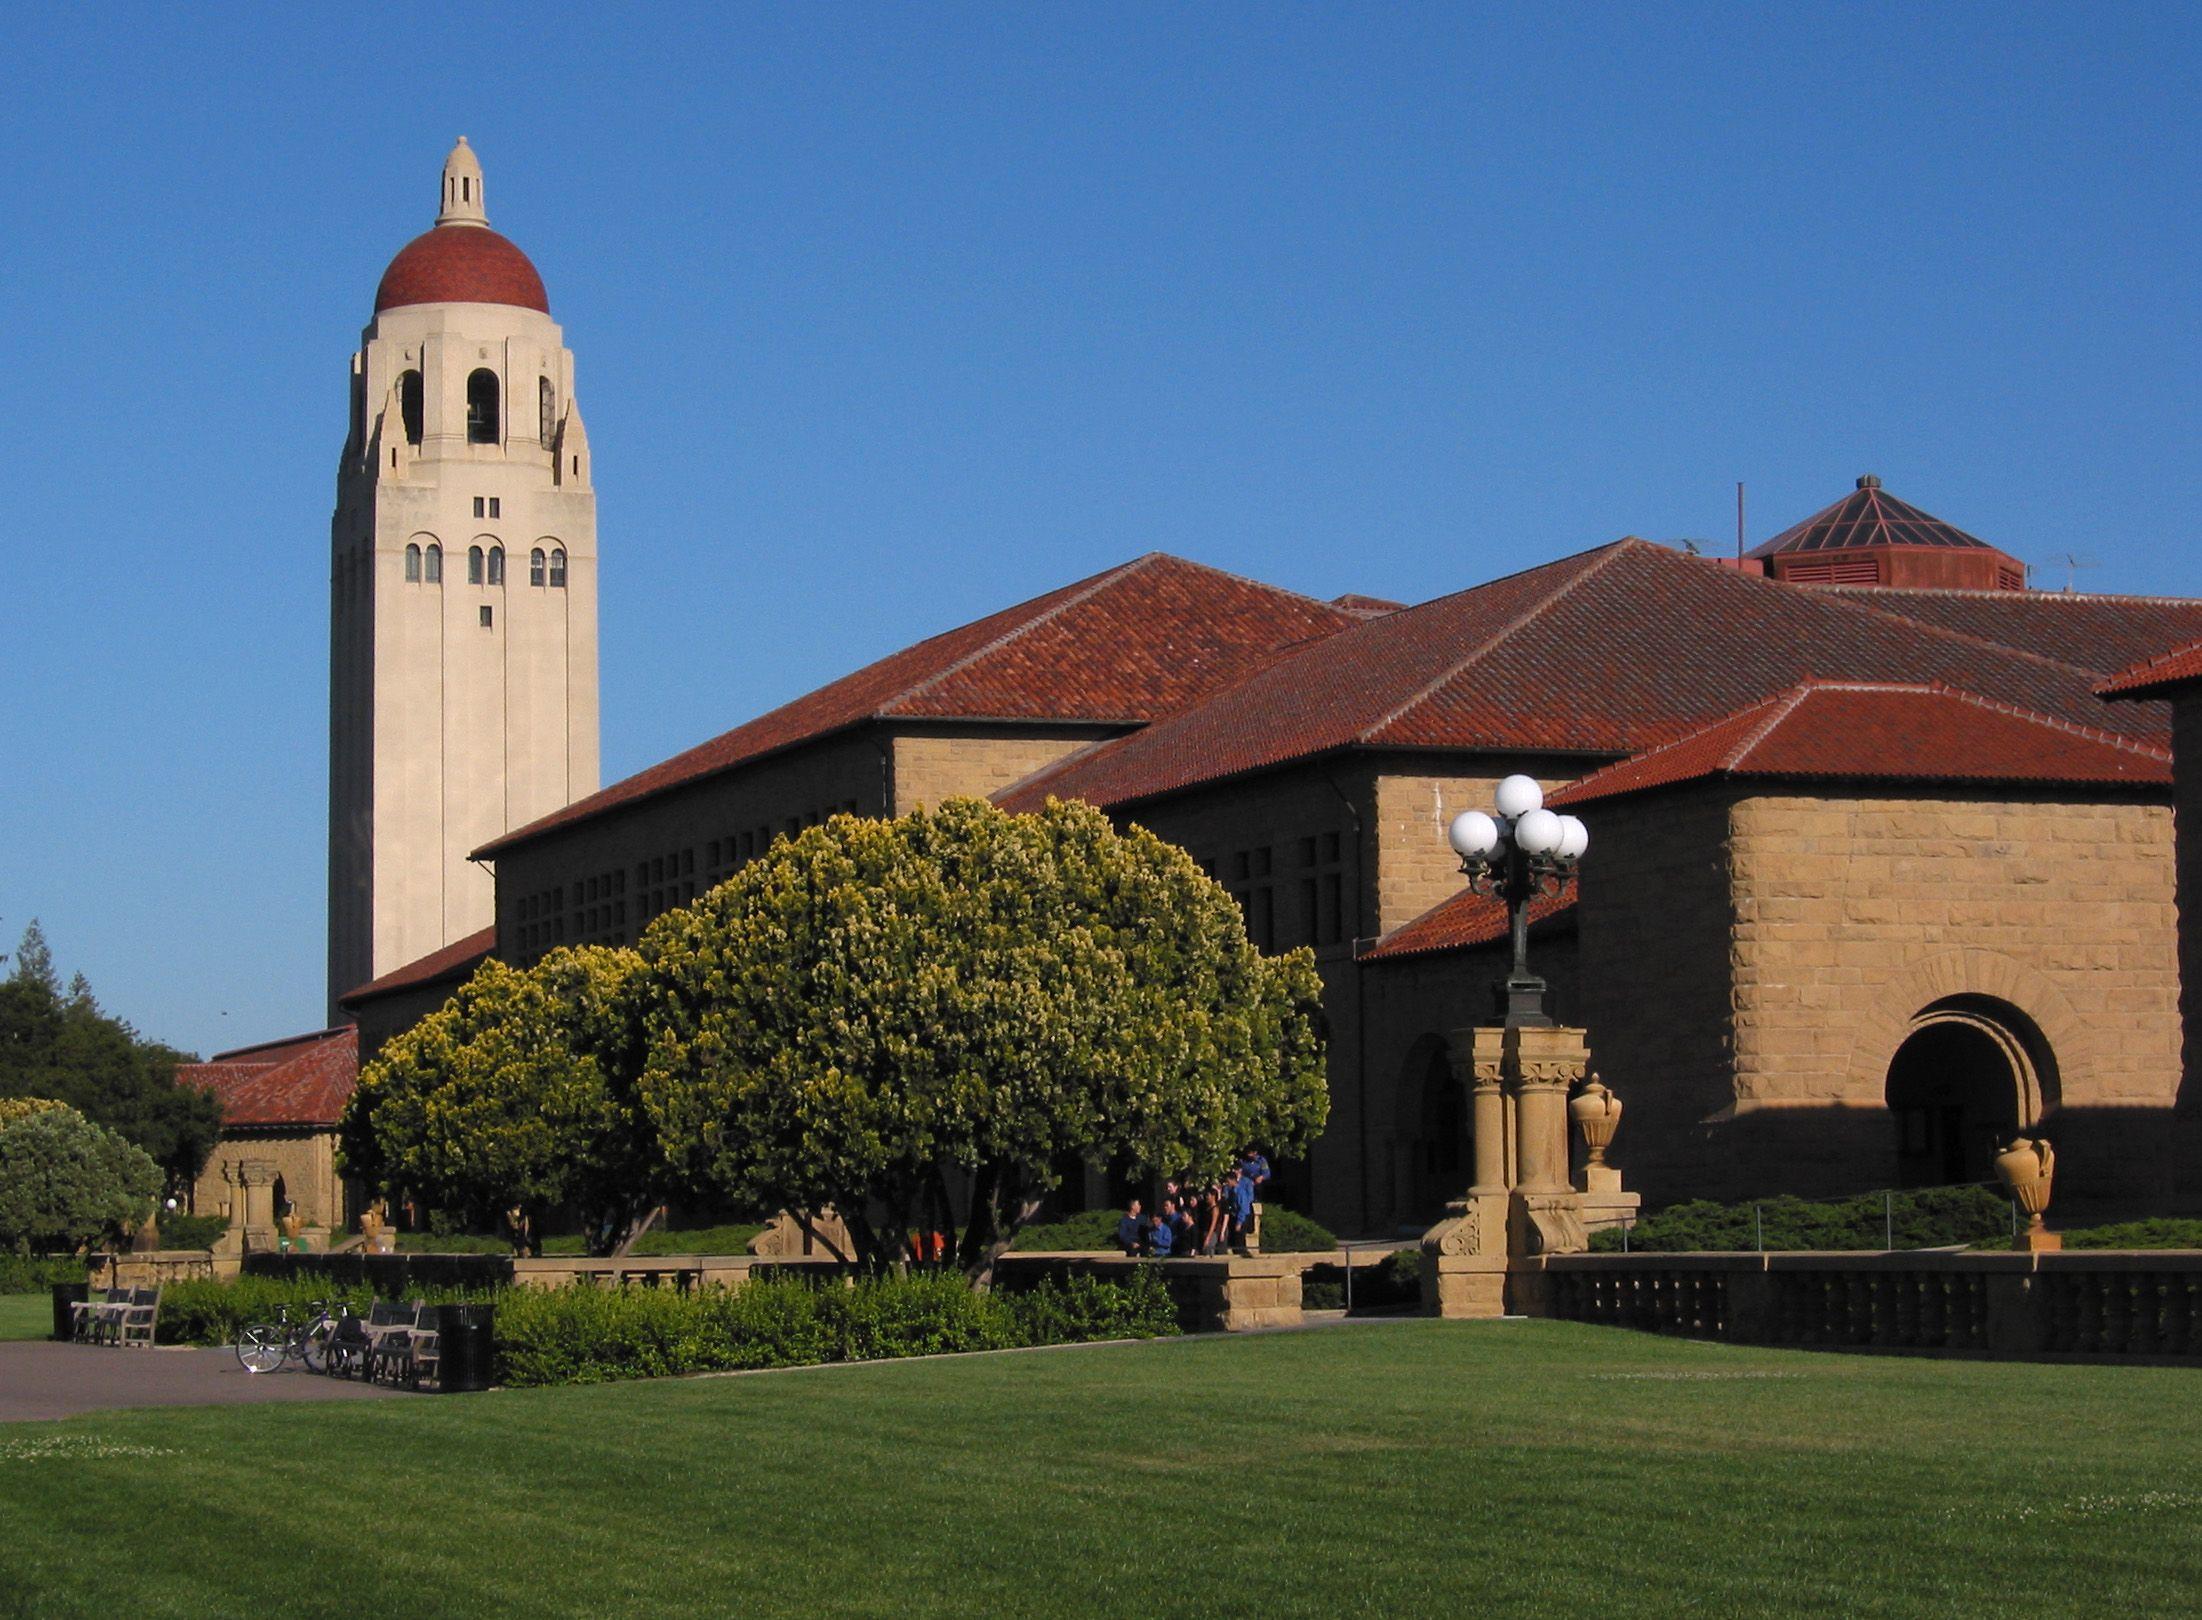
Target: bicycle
265,1346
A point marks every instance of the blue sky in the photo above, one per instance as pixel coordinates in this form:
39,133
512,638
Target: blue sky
887,317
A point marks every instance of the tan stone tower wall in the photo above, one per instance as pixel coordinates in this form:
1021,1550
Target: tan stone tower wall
459,708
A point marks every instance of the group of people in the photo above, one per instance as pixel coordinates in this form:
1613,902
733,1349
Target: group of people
1216,1219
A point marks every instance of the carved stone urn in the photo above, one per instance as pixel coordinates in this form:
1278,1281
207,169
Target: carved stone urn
2026,1168
1596,1112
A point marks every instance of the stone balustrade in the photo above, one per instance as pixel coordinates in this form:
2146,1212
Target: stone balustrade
2092,1304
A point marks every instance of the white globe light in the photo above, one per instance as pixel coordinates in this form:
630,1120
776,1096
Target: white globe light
1538,832
1574,838
1517,796
1473,834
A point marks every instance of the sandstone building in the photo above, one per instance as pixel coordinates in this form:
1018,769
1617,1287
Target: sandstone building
1830,977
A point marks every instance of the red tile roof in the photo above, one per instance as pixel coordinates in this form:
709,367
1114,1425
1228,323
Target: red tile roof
1122,648
1608,652
461,264
1868,516
1366,607
300,1083
1464,922
2094,633
2155,677
1842,731
448,966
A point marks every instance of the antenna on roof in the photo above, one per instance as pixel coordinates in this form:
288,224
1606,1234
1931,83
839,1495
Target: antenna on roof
2072,565
1739,520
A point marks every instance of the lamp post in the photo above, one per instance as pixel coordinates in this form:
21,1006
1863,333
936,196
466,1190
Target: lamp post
1520,852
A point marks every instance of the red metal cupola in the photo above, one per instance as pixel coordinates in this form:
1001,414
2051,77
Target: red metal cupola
1869,537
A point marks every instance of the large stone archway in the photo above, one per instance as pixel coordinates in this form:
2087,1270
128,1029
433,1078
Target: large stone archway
1971,1074
2058,1043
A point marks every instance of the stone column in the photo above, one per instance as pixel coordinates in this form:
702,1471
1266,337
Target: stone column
1464,1255
252,1217
1542,1065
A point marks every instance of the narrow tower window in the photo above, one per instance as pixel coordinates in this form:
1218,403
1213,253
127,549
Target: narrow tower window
548,398
474,565
481,407
496,565
535,566
409,405
434,559
558,568
412,564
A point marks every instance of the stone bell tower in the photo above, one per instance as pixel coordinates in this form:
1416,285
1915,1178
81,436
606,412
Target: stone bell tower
462,689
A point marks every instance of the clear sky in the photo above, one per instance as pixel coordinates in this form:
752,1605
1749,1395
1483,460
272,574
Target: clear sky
888,317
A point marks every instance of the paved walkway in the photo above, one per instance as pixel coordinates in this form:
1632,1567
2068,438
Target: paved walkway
41,1379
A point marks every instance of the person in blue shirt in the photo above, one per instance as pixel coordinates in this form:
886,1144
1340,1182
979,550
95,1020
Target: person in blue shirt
1183,1235
1159,1236
1128,1230
1253,1164
1239,1197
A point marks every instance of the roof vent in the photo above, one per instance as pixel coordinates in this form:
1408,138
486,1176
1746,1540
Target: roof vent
1868,481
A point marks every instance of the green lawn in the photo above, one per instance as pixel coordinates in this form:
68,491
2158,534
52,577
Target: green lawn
26,1316
1408,1468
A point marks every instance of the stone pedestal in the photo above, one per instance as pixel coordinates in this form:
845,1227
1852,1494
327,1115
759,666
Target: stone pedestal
251,1207
1521,1207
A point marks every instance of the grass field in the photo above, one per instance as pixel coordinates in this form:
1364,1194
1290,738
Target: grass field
26,1316
1403,1468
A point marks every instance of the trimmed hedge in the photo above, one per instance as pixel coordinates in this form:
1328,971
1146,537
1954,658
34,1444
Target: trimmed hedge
35,1273
1927,1218
588,1335
391,1276
2162,1232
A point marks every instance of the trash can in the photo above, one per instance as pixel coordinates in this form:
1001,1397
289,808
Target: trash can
66,1295
466,1342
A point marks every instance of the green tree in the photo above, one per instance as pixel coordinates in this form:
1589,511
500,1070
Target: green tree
517,1093
61,1045
65,1182
918,1021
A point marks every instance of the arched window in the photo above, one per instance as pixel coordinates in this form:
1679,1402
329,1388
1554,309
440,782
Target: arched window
434,560
549,401
481,407
535,566
412,564
409,405
474,565
558,568
496,565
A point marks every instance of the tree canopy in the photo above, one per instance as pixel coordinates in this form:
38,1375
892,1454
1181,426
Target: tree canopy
66,1182
61,1045
518,1092
919,1021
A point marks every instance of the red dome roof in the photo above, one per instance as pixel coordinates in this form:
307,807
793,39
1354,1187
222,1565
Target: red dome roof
461,264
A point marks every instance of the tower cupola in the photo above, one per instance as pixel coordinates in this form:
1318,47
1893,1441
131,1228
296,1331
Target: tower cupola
462,188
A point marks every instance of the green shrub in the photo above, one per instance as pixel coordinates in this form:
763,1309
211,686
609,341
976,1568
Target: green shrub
1926,1218
1328,1294
434,1242
1287,1231
2160,1233
204,1312
1089,1229
35,1273
1077,1310
181,1231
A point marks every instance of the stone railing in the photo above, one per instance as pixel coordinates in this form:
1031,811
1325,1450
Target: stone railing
681,1271
2094,1303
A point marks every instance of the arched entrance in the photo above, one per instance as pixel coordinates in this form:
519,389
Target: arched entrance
1970,1073
1438,1168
